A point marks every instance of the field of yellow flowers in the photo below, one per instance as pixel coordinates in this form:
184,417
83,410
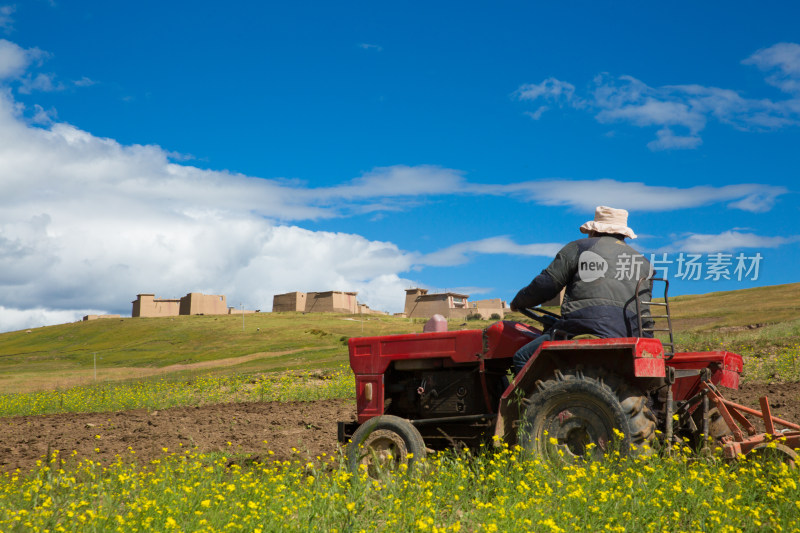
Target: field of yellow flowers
498,489
493,489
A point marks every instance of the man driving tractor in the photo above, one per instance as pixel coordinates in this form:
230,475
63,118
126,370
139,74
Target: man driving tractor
600,273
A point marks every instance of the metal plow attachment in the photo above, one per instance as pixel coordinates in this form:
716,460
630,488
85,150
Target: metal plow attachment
781,443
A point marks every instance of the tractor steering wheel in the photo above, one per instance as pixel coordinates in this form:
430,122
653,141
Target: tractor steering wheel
546,319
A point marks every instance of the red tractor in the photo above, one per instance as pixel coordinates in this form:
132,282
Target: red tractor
574,397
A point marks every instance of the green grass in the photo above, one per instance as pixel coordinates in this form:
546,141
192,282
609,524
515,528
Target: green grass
50,370
497,490
771,353
53,367
157,342
762,305
65,355
161,393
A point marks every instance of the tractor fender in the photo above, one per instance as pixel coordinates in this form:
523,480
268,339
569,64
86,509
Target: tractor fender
631,358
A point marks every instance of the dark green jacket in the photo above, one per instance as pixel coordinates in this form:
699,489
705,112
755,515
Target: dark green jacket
600,275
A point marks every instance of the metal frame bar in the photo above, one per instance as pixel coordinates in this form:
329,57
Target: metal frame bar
732,413
665,304
452,419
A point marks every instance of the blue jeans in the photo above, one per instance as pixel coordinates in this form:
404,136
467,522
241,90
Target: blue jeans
525,353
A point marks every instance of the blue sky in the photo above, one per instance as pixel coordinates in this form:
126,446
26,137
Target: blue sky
254,148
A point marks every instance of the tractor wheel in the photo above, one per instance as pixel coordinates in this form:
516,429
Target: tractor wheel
383,444
575,414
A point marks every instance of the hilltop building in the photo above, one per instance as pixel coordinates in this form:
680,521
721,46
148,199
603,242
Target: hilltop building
487,308
194,303
99,317
420,304
364,309
316,302
321,302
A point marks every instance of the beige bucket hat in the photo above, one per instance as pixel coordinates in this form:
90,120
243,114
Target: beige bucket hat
609,220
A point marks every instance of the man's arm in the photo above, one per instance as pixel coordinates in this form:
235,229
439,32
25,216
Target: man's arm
549,283
541,289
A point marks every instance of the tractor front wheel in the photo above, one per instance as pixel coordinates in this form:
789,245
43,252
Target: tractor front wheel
383,444
586,413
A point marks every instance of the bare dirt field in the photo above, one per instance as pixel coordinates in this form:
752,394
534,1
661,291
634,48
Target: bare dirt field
308,427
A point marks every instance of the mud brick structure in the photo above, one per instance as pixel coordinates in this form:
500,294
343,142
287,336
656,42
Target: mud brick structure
421,304
316,302
99,317
194,303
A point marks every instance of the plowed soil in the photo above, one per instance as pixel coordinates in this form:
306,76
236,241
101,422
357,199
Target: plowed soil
288,428
254,428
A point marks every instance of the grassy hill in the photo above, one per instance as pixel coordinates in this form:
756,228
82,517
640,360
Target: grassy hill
765,319
66,355
743,308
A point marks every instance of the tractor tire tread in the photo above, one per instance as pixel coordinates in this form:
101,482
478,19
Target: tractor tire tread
640,421
400,426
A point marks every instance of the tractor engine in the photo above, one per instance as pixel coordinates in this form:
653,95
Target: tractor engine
434,393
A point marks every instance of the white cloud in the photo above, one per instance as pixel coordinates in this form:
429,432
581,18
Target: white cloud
550,89
681,112
87,223
373,47
637,196
84,82
43,116
459,253
667,140
395,181
783,59
19,319
40,82
14,60
727,241
536,115
6,20
628,99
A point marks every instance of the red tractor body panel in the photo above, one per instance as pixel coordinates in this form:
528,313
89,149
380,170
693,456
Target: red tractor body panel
372,358
725,368
646,354
373,355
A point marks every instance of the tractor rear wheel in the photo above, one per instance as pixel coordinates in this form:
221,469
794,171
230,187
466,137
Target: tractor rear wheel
575,413
384,443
